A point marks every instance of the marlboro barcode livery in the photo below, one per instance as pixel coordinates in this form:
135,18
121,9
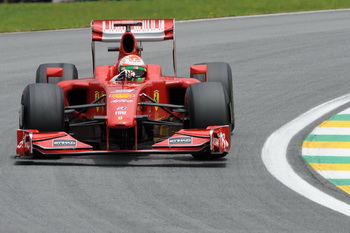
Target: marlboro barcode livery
128,107
145,30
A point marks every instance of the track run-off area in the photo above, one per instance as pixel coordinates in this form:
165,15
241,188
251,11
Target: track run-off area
290,74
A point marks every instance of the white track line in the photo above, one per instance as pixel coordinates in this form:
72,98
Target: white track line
335,174
326,152
331,130
274,156
346,111
265,15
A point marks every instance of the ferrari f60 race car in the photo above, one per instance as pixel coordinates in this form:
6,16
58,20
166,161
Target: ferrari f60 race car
118,111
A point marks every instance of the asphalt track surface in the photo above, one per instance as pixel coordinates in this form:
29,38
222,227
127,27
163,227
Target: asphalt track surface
282,65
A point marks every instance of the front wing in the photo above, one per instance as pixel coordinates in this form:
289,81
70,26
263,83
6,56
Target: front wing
215,139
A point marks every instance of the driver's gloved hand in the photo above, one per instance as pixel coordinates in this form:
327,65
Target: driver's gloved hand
125,74
118,77
129,74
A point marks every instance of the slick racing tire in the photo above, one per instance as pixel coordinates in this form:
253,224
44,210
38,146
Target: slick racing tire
70,72
42,107
220,72
207,105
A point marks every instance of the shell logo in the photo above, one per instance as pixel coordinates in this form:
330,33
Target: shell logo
122,95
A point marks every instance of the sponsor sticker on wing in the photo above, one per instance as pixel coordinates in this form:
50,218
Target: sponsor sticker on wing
221,143
64,142
180,140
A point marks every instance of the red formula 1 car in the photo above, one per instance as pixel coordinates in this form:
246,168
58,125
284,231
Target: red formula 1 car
128,107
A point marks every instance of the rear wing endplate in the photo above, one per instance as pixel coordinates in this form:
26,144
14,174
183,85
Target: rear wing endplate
150,30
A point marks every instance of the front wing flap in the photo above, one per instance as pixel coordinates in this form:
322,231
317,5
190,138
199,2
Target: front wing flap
215,139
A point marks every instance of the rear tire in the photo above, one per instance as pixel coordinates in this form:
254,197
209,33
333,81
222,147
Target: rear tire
70,72
207,106
42,108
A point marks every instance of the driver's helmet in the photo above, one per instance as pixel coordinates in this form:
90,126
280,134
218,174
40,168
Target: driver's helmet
133,63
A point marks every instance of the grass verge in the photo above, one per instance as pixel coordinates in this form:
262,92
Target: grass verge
45,16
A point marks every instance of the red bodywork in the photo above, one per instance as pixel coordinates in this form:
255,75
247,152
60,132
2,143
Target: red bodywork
123,113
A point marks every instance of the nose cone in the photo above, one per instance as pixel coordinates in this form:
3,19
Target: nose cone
121,110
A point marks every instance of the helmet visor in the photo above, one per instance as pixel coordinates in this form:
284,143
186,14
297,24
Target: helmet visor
139,70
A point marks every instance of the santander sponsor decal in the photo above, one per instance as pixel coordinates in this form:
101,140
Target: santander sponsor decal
221,143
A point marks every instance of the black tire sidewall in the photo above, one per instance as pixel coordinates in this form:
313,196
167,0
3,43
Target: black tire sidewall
220,72
42,107
207,105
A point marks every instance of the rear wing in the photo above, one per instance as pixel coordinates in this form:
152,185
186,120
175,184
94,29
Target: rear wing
151,30
147,30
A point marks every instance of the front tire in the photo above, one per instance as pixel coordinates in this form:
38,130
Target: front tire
220,72
207,105
42,108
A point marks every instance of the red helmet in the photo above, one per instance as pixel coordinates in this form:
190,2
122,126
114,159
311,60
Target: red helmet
134,63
